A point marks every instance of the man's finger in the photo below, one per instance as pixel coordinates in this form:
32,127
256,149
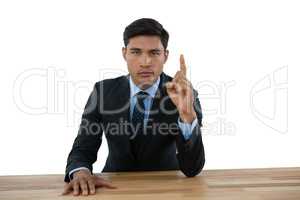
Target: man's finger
76,188
176,76
176,88
67,188
103,183
84,187
181,76
109,185
185,82
182,65
170,86
91,185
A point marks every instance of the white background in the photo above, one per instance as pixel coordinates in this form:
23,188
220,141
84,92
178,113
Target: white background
243,58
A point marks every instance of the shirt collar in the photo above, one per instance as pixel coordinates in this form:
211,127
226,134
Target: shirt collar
135,89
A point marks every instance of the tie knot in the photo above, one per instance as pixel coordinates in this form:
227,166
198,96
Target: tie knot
141,95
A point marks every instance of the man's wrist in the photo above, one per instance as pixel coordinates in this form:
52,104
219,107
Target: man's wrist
71,173
82,170
188,117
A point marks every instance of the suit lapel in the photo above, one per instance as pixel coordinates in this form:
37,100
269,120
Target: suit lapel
121,101
155,110
123,98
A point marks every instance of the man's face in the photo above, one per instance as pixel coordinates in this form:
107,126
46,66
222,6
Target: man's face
145,57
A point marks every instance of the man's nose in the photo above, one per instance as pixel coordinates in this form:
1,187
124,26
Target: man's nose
146,60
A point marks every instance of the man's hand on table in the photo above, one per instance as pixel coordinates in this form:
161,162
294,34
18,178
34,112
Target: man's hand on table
85,183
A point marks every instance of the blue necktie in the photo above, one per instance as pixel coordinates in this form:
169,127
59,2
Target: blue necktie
138,120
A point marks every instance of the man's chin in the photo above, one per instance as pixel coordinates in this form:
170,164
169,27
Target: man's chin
146,83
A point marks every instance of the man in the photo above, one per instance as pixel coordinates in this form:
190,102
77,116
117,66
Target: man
150,120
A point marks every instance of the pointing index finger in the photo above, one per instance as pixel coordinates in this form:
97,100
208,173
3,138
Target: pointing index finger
182,65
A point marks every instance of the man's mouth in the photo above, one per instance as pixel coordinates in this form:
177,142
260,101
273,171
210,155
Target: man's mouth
145,74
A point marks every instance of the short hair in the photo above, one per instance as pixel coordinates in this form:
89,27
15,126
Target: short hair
146,26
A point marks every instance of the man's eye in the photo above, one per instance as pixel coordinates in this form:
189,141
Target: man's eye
135,52
157,53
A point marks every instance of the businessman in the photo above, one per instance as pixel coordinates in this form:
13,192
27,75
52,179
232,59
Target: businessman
151,121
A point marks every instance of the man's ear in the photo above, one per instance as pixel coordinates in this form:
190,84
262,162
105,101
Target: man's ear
166,54
124,50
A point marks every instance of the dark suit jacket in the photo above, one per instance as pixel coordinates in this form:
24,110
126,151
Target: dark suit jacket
160,149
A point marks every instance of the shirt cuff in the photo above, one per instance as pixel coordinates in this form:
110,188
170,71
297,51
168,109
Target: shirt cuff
187,128
75,170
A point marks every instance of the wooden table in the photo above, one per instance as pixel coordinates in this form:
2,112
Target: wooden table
281,184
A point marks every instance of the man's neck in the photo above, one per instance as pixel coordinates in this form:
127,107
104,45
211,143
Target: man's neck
151,88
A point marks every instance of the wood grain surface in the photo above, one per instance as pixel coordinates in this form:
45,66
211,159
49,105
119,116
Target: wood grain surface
240,184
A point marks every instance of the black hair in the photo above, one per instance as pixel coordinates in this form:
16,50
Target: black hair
146,26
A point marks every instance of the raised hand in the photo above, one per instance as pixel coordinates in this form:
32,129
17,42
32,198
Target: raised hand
181,93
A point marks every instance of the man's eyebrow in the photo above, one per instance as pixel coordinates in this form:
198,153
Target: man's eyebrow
155,49
135,49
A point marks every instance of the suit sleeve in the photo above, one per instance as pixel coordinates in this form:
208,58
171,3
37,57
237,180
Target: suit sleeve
191,157
89,138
